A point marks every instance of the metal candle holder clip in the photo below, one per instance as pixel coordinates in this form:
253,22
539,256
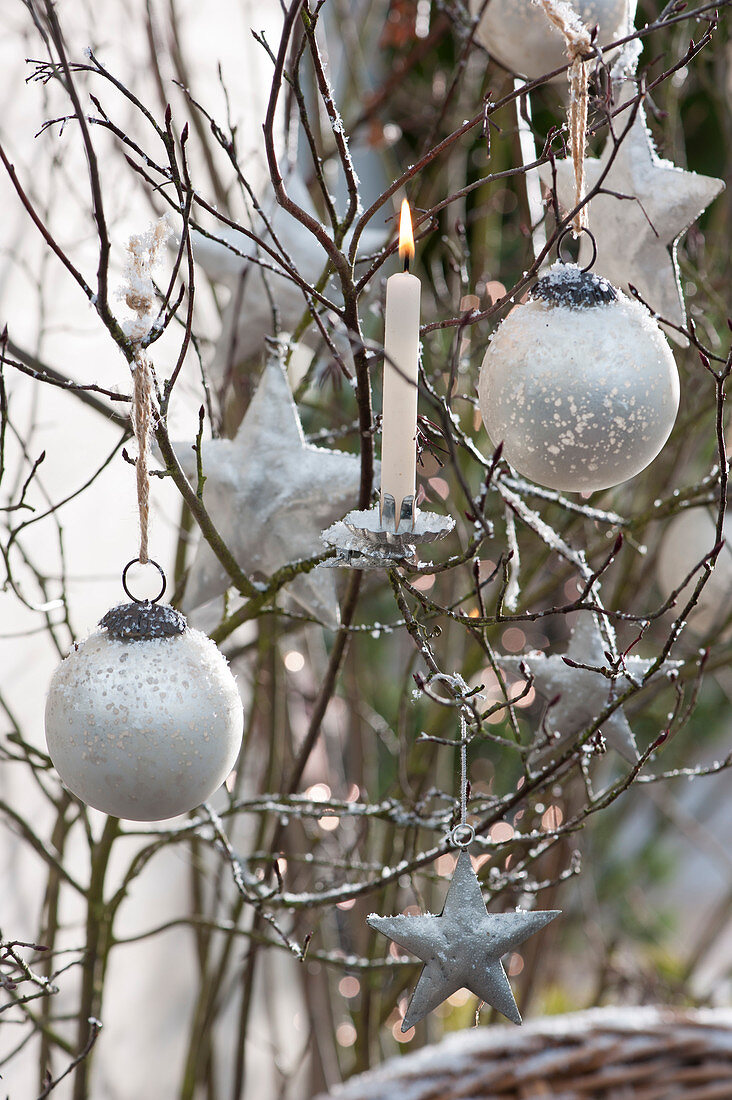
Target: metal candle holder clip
373,539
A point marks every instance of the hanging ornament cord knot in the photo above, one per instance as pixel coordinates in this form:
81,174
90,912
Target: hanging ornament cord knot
142,417
578,44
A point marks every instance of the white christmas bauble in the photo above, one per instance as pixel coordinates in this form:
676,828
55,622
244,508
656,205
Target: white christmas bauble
688,538
519,35
579,384
144,727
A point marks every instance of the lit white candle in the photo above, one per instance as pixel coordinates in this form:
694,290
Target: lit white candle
401,361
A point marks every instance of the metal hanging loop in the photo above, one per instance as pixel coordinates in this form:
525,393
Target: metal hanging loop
136,561
462,836
561,240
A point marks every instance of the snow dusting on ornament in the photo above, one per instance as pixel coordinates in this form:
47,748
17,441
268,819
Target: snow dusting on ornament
579,384
689,537
143,718
520,36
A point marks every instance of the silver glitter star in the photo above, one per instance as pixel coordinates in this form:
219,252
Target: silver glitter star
637,241
270,494
247,317
578,695
463,947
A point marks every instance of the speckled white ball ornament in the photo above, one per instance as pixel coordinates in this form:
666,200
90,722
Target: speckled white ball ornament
579,384
688,538
143,718
519,35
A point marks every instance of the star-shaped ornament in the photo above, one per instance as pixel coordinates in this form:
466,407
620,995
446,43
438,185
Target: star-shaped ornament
578,695
463,947
637,240
270,494
232,261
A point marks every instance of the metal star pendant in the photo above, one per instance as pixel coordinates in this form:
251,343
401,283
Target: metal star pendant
637,240
247,317
462,948
270,494
578,695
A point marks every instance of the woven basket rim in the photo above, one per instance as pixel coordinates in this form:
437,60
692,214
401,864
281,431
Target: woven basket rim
711,1025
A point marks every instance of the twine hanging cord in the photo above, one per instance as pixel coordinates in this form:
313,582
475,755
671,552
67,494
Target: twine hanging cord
138,293
142,419
461,834
578,45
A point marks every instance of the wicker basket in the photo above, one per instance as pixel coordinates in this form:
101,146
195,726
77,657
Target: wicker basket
603,1054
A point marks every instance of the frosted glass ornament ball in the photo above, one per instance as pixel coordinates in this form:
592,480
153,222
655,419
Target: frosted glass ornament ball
579,384
519,35
144,729
688,538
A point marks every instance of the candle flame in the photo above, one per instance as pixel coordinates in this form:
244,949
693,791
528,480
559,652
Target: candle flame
406,236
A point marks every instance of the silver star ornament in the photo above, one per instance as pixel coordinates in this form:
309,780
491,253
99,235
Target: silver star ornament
463,947
578,695
231,260
270,494
637,240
